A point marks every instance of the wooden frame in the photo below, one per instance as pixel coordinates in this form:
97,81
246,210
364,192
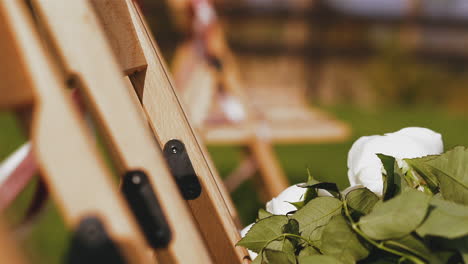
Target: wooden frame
73,28
75,39
57,128
213,210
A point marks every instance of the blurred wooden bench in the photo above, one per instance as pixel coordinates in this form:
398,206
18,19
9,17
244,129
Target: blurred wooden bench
227,110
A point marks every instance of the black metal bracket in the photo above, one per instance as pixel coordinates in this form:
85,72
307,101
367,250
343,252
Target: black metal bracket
146,208
181,168
91,244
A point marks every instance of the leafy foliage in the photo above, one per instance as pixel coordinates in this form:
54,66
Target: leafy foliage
339,241
421,218
316,214
397,217
451,171
263,232
361,201
446,219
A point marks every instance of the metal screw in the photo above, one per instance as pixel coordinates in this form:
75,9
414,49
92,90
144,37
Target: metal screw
136,179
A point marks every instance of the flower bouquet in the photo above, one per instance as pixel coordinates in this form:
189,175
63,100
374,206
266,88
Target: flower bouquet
408,203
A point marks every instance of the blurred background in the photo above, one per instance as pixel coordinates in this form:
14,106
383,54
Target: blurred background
378,65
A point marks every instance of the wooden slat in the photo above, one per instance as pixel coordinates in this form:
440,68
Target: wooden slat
213,209
9,253
115,21
81,43
11,95
67,156
284,132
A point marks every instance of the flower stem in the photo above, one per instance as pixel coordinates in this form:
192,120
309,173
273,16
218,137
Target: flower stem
378,245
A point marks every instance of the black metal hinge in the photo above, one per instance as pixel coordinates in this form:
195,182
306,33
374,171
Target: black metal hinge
146,208
181,168
92,245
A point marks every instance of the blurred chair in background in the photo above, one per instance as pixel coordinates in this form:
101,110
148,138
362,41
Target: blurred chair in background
251,113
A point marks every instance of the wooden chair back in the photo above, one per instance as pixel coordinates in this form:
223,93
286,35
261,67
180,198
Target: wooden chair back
75,174
152,85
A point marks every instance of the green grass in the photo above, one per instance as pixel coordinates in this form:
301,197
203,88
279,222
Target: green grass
48,240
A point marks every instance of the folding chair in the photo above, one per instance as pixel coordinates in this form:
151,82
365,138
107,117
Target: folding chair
140,59
30,78
226,113
35,74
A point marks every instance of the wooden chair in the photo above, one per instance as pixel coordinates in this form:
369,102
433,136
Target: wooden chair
29,78
35,72
140,60
226,112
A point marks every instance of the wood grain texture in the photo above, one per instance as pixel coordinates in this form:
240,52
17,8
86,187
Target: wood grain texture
213,209
74,28
121,34
68,159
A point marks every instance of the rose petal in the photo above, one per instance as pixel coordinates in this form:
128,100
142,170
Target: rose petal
364,166
281,204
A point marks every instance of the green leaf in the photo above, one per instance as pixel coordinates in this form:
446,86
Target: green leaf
257,260
278,257
396,217
292,227
400,181
283,244
308,251
319,259
361,201
329,186
315,214
424,171
298,205
310,194
451,171
411,245
263,232
340,241
262,213
446,219
461,245
390,186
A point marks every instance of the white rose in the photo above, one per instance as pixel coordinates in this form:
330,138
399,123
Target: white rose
280,205
364,167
